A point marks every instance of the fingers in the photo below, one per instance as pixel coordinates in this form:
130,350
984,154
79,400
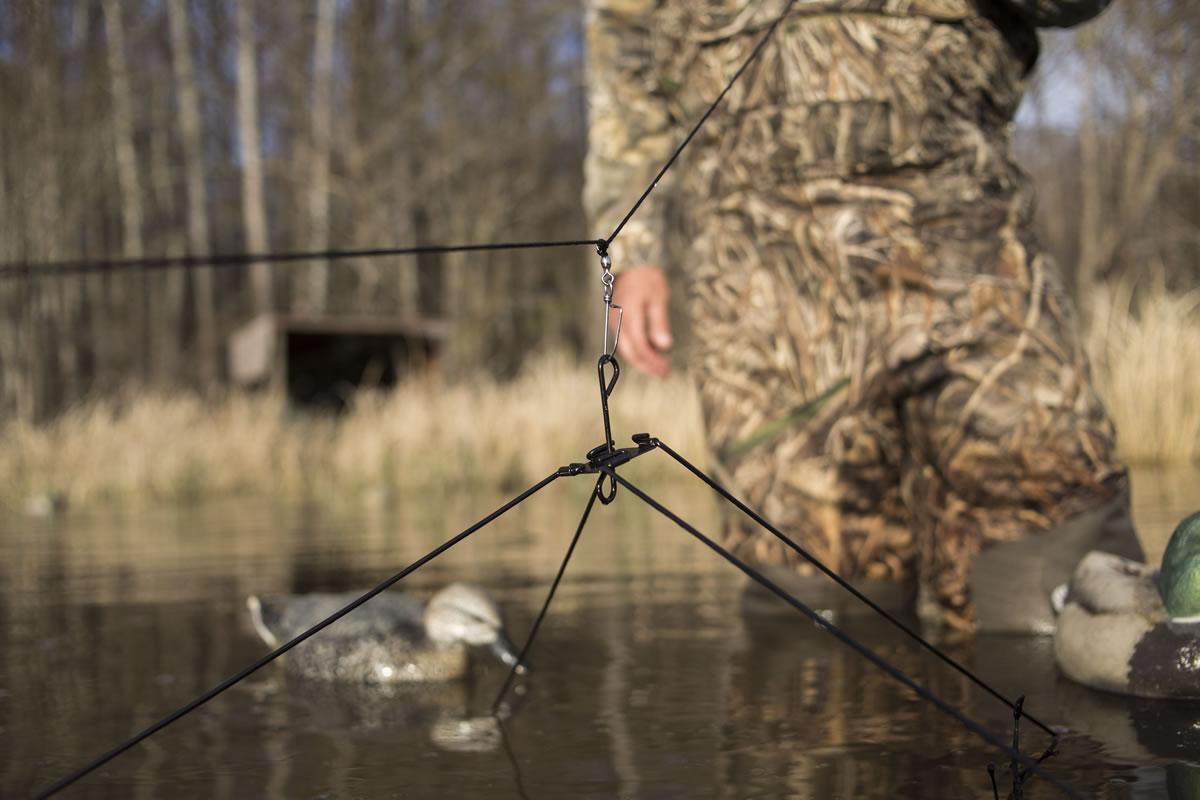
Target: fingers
659,322
642,292
652,342
634,347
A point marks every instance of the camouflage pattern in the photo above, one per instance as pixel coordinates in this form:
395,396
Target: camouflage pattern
852,212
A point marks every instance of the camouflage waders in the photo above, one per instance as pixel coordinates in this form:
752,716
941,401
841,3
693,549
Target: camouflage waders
856,230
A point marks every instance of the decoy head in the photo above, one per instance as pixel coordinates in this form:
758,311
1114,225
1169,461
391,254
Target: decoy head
1179,576
466,614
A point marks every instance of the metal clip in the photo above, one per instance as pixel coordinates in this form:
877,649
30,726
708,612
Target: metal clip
608,279
608,382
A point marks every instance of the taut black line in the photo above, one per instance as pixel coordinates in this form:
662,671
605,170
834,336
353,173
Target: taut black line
518,776
754,54
849,587
27,269
850,641
562,568
277,652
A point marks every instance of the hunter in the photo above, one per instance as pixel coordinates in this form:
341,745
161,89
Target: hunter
888,364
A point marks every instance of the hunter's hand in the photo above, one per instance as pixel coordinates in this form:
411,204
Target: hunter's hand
646,330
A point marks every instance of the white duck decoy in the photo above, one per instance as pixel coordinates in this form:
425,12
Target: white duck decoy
394,638
1126,627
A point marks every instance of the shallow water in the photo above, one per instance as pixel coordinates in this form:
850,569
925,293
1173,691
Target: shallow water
648,682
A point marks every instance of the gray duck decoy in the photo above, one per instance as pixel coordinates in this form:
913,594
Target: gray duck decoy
393,638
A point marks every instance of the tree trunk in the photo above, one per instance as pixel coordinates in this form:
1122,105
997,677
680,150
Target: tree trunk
359,109
54,353
254,211
322,125
71,205
135,301
126,157
192,138
1090,195
13,381
166,286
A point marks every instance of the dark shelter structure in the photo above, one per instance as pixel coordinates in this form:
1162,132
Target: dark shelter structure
320,361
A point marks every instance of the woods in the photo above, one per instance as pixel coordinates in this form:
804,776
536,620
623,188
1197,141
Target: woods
1119,190
169,127
136,128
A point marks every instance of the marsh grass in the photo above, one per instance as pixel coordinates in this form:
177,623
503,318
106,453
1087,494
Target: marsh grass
420,435
1144,343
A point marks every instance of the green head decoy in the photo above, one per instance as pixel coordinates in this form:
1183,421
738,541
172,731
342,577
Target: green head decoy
1126,627
1179,576
394,638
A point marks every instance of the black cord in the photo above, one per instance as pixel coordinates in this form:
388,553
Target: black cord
76,267
537,623
26,269
518,776
816,562
848,640
277,652
754,54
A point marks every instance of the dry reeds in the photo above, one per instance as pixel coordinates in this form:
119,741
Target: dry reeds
422,434
1144,343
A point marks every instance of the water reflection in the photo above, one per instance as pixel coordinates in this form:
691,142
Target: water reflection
650,683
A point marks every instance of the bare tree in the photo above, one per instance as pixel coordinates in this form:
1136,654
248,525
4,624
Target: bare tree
1118,191
123,132
1152,65
254,211
191,136
322,124
168,237
360,123
135,303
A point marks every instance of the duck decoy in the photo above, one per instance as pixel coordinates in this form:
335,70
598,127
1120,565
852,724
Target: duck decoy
394,638
1126,627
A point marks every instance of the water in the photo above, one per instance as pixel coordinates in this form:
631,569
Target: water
648,682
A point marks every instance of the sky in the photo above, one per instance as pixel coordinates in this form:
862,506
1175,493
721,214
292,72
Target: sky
1057,100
